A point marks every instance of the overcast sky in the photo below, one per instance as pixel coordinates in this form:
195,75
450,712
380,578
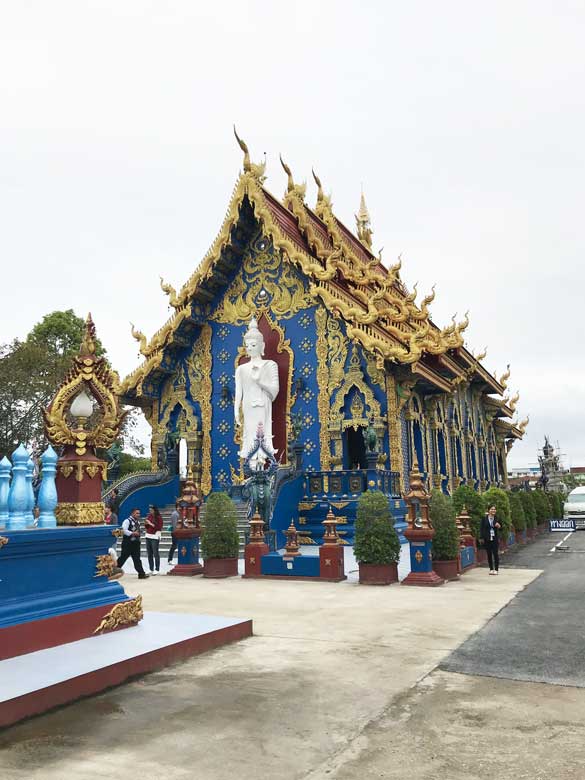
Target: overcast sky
463,120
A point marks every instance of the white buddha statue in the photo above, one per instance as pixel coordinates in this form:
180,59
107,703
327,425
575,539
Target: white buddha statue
256,389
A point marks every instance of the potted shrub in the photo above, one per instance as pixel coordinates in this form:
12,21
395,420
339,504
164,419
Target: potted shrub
376,545
220,542
446,538
529,513
518,518
499,498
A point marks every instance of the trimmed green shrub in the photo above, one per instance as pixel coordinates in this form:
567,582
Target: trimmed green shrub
446,539
541,506
517,510
529,508
376,540
474,503
220,538
556,505
499,498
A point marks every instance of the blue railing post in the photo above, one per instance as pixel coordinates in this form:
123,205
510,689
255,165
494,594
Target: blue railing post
29,517
5,469
18,495
48,491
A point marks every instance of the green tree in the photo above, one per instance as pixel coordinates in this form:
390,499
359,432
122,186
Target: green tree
499,498
466,496
376,540
517,510
446,538
220,537
529,509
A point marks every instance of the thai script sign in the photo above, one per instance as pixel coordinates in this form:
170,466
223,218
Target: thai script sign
562,525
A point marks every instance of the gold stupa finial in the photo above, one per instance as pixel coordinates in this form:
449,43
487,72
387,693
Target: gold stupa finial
87,346
363,222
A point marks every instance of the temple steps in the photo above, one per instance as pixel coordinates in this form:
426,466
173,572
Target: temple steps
166,540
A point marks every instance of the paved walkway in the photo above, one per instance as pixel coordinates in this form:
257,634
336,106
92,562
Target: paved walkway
325,665
540,636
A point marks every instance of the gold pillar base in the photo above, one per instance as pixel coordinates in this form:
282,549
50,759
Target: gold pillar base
84,513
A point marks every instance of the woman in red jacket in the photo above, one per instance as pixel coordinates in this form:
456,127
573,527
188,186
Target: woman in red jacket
153,531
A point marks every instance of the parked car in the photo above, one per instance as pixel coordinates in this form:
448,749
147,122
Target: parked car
574,507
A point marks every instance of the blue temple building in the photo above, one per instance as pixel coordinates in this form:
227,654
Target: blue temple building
357,355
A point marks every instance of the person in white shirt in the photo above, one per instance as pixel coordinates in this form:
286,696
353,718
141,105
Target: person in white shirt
131,543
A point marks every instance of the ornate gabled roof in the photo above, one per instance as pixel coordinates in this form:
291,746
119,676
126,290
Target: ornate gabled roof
350,281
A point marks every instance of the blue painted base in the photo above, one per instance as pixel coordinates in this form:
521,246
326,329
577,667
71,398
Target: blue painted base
279,565
467,557
45,573
421,557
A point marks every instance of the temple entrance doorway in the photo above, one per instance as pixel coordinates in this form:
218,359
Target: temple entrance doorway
355,448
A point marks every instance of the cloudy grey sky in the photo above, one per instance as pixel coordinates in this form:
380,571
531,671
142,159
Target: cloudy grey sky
464,121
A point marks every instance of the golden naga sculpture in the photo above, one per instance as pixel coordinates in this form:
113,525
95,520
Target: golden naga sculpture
505,376
171,292
141,339
89,377
258,170
482,355
514,401
522,425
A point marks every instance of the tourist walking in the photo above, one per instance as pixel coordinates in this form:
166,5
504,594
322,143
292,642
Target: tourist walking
153,532
131,543
489,533
175,518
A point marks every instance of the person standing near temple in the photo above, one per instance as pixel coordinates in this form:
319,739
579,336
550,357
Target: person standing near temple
113,501
489,532
175,519
131,543
153,532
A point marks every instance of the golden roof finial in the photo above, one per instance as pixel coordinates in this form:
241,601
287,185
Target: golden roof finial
320,193
291,182
170,291
482,355
363,223
522,425
256,169
514,401
140,337
291,187
87,346
505,376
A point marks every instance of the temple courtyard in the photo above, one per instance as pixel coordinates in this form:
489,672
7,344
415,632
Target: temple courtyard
480,678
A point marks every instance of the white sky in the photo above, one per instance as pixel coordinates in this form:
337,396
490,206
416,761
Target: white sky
463,120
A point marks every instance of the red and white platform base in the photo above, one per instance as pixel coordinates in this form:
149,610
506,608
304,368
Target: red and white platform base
34,683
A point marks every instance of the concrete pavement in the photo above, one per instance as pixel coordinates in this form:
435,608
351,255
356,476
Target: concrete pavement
326,660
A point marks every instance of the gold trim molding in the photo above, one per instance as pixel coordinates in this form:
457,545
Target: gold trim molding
81,513
91,467
104,566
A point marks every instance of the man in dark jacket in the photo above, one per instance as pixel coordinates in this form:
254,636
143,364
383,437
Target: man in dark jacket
131,543
490,534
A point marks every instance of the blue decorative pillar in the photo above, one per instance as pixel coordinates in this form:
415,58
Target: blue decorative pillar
18,494
419,534
30,494
372,471
48,492
5,469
